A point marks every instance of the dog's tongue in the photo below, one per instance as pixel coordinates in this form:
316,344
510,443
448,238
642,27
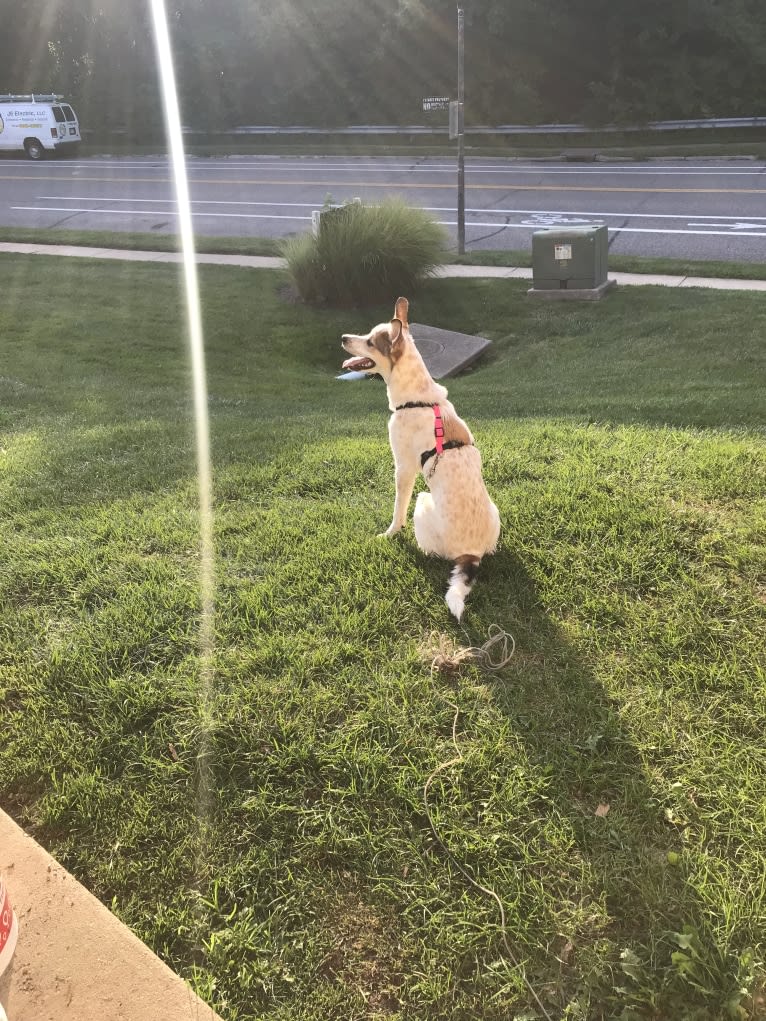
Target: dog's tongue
357,364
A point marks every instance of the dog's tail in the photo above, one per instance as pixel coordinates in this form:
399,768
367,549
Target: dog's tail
461,582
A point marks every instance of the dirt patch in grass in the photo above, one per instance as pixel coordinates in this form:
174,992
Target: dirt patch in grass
366,955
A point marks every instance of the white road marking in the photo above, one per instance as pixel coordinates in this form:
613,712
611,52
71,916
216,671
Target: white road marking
195,202
446,223
731,226
626,230
541,213
155,212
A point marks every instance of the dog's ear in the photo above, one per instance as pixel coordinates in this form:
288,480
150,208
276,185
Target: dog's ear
400,310
397,338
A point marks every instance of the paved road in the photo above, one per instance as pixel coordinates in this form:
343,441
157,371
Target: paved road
686,209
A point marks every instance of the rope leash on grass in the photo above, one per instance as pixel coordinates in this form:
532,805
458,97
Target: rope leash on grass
493,655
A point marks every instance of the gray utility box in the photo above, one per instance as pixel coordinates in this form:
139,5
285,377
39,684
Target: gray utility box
570,263
329,212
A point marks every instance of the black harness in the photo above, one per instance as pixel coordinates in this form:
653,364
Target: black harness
449,445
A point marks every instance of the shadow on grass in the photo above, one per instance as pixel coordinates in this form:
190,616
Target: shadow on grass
623,930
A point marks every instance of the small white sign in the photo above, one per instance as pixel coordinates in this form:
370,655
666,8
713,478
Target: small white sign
562,253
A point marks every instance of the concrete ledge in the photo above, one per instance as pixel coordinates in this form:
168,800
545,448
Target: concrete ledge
74,960
446,352
574,293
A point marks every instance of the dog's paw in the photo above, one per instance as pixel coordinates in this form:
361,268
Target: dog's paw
391,530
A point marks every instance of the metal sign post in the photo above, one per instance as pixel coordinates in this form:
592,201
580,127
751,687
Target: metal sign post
460,141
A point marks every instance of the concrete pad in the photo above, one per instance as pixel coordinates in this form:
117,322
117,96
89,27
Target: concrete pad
572,293
74,960
445,352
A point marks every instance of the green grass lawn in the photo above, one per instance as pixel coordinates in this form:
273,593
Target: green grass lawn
268,837
145,241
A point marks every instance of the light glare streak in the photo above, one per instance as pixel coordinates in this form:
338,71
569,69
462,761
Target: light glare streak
201,418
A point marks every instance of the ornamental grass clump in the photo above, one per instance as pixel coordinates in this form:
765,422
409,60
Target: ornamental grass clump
365,254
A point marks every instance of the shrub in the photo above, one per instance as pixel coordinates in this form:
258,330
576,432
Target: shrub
365,255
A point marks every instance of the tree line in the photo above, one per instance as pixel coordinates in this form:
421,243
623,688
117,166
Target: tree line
338,62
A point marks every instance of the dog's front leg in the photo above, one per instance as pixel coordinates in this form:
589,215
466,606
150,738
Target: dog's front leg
406,474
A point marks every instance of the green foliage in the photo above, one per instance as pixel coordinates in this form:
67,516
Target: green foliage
341,62
365,254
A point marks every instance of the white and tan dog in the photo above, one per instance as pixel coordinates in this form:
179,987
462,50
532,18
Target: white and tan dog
456,519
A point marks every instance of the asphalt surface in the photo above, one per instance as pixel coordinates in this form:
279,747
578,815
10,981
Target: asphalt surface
694,209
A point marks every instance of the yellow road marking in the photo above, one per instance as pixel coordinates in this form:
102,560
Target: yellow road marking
397,187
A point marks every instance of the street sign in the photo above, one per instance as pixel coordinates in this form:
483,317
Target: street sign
436,103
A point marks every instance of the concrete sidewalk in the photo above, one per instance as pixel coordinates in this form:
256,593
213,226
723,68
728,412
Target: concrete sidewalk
622,279
478,272
74,960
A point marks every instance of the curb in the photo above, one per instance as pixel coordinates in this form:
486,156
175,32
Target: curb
73,958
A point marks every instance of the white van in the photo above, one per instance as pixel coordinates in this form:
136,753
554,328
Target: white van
37,124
